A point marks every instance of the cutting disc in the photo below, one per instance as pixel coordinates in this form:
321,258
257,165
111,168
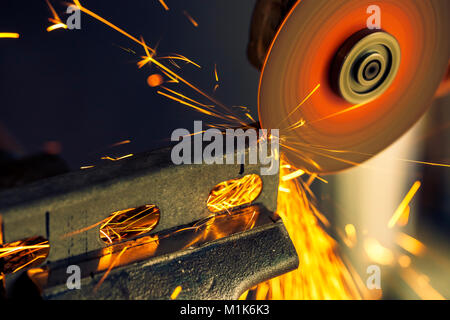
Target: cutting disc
324,82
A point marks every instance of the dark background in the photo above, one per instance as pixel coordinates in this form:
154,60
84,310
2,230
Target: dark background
79,88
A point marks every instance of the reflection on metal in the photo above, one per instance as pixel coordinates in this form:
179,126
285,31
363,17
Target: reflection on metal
150,267
26,253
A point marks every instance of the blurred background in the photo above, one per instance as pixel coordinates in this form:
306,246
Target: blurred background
67,97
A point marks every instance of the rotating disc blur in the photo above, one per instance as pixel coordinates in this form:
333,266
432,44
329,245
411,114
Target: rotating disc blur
320,130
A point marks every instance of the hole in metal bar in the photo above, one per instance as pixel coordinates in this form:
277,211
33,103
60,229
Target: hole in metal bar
129,223
234,193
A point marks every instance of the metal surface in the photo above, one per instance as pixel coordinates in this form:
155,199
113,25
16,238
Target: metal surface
63,204
189,246
321,131
218,269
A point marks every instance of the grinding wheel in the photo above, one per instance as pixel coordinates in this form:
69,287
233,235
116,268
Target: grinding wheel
341,93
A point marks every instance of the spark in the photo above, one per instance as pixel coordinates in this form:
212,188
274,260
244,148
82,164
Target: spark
113,263
29,262
128,223
194,23
283,189
293,175
118,158
357,106
350,232
187,98
404,205
175,77
215,73
404,261
364,153
11,35
315,176
70,234
155,80
175,293
120,143
109,24
300,104
23,253
181,58
148,57
318,257
1,230
199,109
410,244
194,134
56,26
377,252
8,250
234,192
126,49
244,295
404,217
250,117
57,23
164,5
420,284
86,167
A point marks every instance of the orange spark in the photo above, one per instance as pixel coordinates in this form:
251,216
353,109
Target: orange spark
404,261
404,217
234,192
181,58
118,158
410,244
187,98
244,295
194,23
155,80
11,35
56,26
250,117
57,23
357,106
129,223
215,73
299,105
86,167
175,293
377,252
164,5
23,253
116,260
163,68
420,284
321,274
350,232
199,109
1,230
292,175
404,205
120,143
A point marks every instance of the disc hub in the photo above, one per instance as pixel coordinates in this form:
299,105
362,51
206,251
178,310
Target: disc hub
365,66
